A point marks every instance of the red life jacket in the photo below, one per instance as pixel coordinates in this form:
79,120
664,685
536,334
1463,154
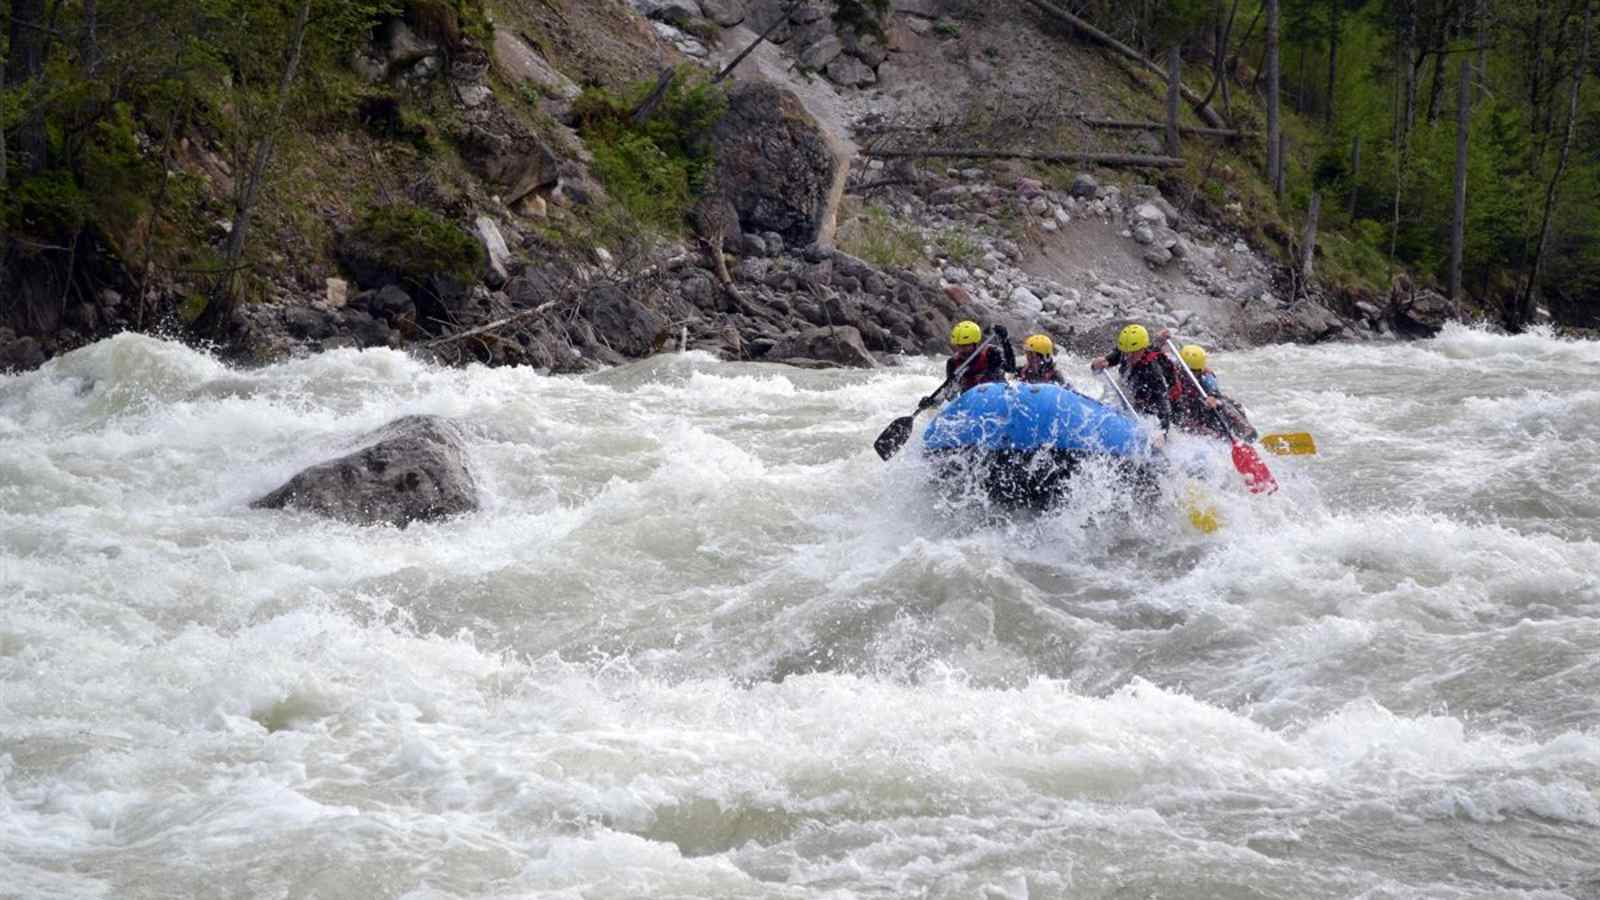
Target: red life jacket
983,369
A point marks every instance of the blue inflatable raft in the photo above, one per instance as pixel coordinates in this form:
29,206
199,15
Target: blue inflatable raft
1022,442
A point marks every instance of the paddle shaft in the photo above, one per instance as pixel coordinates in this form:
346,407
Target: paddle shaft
954,376
1116,389
1221,419
1249,464
899,431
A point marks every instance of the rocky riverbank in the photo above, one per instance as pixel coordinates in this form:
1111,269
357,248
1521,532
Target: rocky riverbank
803,250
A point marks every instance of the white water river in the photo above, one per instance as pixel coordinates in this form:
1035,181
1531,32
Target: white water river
700,642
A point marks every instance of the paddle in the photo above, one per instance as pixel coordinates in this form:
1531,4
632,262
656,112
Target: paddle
1297,444
899,431
1203,519
1257,477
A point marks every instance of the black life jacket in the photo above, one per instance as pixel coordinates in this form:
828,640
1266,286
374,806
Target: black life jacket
1045,374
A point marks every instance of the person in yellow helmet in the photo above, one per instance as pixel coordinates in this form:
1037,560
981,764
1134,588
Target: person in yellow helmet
1194,413
1151,377
1190,409
1039,361
991,363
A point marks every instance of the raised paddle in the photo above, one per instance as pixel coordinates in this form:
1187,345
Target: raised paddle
1297,444
899,431
1257,477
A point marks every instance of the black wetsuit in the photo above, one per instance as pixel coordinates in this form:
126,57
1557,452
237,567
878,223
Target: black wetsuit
1151,377
1045,374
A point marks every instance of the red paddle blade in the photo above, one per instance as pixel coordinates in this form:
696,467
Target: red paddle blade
1257,477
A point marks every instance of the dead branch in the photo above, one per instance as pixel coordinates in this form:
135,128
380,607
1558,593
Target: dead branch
1111,160
1087,30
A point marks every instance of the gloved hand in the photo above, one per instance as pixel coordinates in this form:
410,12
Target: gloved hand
1001,333
1098,363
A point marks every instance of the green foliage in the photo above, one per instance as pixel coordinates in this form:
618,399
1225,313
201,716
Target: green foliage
947,29
418,244
655,168
49,206
864,16
878,239
960,249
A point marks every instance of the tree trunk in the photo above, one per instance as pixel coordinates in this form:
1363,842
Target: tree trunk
1219,58
1436,90
1355,175
1458,227
1333,60
1274,162
88,42
3,172
1174,78
1206,113
1283,165
29,47
1308,246
1524,312
1481,27
219,312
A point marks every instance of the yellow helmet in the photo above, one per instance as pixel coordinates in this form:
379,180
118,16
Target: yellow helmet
965,334
1193,356
1039,344
1133,339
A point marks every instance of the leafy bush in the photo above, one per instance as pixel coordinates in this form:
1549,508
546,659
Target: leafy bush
417,244
880,240
655,168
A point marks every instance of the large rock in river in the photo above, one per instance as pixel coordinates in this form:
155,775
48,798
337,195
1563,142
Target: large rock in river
413,469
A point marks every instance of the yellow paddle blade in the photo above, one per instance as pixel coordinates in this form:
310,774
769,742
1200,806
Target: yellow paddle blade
1202,512
1297,444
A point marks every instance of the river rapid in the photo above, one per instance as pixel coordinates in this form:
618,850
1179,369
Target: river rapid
700,642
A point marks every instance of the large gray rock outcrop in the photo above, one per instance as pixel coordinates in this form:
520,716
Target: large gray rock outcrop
413,469
838,345
774,164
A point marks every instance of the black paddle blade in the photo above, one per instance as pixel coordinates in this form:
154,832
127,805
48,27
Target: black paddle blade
893,438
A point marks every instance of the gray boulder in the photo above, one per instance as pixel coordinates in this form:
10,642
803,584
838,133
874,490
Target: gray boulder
837,345
413,469
1085,186
821,53
1423,314
726,13
774,165
848,71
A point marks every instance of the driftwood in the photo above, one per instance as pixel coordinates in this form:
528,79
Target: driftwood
1111,160
497,324
1084,28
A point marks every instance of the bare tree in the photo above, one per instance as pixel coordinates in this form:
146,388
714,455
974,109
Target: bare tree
224,302
1274,161
1458,225
1523,314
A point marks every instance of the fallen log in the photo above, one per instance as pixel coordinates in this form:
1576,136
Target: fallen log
1110,160
1130,125
1087,30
